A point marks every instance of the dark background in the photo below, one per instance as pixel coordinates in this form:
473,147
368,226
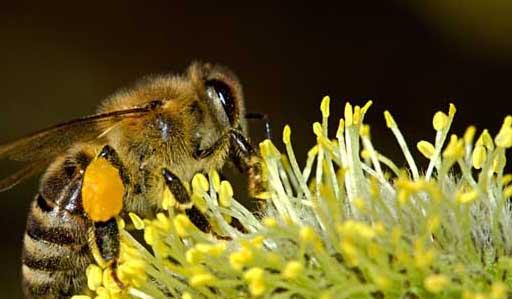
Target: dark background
57,62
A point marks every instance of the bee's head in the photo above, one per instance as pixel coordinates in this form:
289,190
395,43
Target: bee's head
188,112
221,93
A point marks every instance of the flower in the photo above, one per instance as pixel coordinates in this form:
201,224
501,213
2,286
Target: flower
348,223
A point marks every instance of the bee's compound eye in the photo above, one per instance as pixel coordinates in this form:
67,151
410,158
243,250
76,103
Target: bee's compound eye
220,91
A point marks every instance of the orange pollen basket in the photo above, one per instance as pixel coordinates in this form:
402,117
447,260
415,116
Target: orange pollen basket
102,190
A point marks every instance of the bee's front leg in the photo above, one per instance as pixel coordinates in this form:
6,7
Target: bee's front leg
248,161
245,158
103,190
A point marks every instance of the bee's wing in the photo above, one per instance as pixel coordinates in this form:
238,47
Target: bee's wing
39,149
24,172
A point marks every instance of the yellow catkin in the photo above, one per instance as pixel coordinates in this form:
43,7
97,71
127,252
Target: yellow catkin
287,132
507,192
383,282
137,222
202,279
324,106
469,135
504,137
451,110
440,121
109,283
365,154
360,203
436,283
182,225
307,234
225,194
390,121
349,121
269,222
317,129
365,243
168,201
467,197
214,250
506,179
366,107
499,290
479,156
341,128
426,149
239,259
433,223
357,115
198,201
365,131
215,180
455,148
292,269
486,140
94,276
200,183
350,253
255,278
193,256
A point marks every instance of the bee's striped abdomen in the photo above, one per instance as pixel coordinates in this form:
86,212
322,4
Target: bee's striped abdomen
55,248
55,252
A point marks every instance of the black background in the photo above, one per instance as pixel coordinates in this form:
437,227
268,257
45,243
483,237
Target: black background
58,61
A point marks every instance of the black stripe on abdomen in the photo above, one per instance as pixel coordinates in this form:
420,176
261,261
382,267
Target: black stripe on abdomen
54,225
55,235
52,285
47,256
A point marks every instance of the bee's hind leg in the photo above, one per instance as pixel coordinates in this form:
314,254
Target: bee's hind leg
104,236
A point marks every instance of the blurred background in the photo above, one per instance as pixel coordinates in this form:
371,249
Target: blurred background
57,61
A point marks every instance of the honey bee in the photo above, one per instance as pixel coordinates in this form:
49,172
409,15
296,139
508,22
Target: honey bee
143,140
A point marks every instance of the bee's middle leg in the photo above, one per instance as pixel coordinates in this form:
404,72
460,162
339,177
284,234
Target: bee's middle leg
183,201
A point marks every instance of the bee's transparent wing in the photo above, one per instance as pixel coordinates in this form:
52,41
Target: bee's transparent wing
24,172
39,149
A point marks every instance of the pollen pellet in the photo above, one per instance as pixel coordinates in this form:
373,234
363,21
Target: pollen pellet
102,190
